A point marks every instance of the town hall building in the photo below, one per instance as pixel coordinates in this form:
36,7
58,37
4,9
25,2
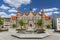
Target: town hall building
32,17
29,18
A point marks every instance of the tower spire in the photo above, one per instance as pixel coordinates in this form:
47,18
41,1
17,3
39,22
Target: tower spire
19,10
17,16
43,18
42,10
30,8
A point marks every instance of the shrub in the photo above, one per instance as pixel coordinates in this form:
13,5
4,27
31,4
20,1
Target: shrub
21,22
39,23
14,25
1,22
48,26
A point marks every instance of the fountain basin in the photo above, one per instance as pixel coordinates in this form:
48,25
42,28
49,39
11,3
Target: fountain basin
18,35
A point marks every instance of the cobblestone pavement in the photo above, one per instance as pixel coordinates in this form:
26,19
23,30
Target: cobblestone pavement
7,36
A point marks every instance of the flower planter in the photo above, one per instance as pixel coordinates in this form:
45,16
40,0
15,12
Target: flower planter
3,29
40,30
57,31
20,30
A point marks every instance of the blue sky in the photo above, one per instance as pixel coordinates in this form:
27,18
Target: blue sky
9,7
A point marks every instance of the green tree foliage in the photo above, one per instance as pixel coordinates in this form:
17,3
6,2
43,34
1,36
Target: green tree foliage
1,21
21,22
48,26
39,23
14,25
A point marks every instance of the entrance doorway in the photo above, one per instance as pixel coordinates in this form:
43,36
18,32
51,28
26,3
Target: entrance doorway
30,25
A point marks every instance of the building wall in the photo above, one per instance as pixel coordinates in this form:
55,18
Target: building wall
7,22
26,20
33,18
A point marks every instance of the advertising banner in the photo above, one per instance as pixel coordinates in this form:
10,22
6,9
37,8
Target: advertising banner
58,23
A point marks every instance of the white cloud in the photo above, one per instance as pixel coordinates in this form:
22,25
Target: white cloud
55,8
50,9
5,15
17,3
12,10
24,8
4,7
49,13
34,9
12,14
56,12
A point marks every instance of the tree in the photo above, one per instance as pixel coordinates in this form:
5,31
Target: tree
21,23
48,26
40,29
14,25
1,21
39,23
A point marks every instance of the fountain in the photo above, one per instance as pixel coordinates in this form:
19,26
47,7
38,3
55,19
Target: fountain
30,31
30,27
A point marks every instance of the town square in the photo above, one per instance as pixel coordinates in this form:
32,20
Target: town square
29,20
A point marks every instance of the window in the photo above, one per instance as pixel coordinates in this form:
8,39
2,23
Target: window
7,20
27,18
34,18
